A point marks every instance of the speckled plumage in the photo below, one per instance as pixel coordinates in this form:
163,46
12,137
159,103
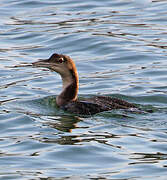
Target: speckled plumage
96,104
67,99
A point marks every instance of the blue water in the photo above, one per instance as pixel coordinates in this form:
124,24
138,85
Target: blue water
120,49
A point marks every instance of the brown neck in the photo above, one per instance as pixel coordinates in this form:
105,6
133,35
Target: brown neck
70,89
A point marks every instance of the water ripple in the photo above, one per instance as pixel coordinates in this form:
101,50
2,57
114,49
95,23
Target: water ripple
120,50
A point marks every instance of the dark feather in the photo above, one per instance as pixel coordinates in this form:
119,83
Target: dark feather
96,104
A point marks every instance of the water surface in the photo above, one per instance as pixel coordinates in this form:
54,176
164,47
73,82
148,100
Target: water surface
119,47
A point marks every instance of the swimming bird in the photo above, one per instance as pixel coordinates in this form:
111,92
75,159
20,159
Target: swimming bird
68,99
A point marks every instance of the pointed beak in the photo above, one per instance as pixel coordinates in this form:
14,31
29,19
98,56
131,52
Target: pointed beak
42,63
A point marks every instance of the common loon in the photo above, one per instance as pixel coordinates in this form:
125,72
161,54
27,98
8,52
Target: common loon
67,99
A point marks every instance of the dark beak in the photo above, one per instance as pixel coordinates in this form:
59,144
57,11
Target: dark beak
42,63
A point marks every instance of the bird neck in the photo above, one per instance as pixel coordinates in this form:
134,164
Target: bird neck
70,89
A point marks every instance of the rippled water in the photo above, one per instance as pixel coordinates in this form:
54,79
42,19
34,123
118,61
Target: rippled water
119,47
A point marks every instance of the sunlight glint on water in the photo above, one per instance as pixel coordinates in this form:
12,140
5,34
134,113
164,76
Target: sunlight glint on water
119,47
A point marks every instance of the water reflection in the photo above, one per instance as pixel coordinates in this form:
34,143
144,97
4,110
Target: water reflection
148,158
63,123
120,50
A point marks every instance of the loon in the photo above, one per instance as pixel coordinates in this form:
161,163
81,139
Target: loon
67,99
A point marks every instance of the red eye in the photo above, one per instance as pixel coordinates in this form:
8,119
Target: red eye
61,60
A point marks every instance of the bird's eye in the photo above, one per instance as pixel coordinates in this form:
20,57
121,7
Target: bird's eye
61,60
